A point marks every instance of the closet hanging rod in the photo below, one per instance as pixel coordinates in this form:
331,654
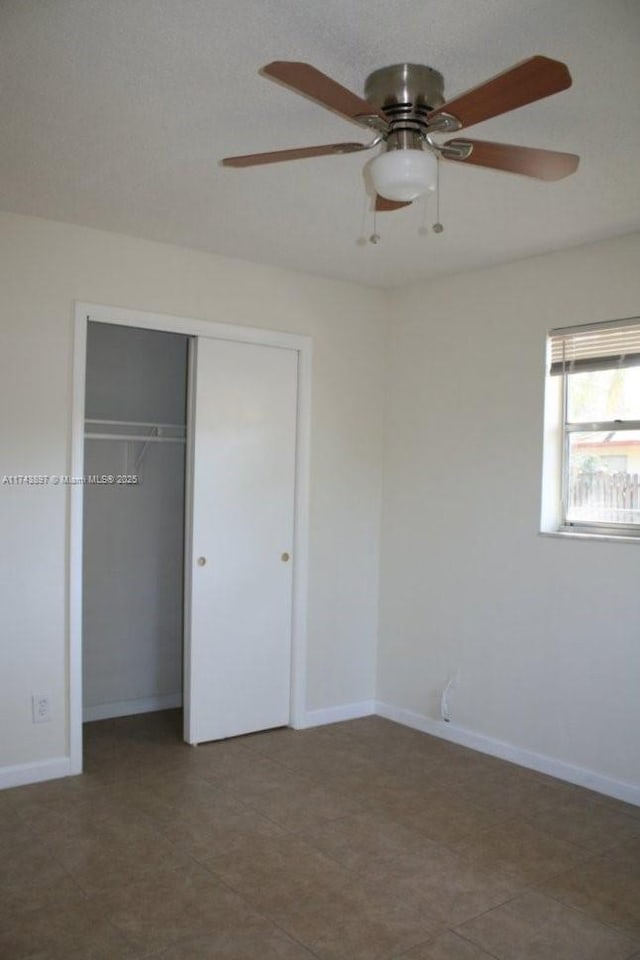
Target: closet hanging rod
141,438
137,423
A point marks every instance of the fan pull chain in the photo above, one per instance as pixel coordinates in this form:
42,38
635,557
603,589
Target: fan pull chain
437,227
375,236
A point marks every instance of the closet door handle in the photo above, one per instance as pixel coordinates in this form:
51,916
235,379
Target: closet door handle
201,561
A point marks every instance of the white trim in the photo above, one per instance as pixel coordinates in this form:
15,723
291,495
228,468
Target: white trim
619,789
300,573
188,542
23,773
74,667
127,708
191,328
346,711
575,535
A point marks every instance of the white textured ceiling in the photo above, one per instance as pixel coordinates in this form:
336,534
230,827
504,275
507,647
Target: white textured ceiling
114,114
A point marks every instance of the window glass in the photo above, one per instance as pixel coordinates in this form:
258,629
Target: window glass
603,477
604,395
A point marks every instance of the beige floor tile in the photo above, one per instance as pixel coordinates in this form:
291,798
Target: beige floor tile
372,727
587,824
238,946
229,762
508,790
519,849
128,748
162,800
391,796
348,925
627,854
99,854
30,878
7,802
292,799
55,819
447,886
409,773
375,736
607,887
619,806
535,927
360,842
154,792
166,909
222,759
319,757
297,748
448,946
162,727
399,835
447,818
276,872
217,829
81,933
198,816
370,784
282,743
14,831
136,762
461,765
20,799
404,750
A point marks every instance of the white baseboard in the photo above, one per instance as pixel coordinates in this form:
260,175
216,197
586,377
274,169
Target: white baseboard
346,711
23,773
619,789
126,708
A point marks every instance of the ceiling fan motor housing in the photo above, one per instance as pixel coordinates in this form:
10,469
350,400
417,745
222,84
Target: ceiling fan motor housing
405,90
406,93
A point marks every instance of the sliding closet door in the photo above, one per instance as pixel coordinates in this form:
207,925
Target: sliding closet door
242,536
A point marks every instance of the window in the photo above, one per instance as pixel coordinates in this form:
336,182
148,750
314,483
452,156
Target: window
595,374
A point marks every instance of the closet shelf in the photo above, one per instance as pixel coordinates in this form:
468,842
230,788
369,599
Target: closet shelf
136,431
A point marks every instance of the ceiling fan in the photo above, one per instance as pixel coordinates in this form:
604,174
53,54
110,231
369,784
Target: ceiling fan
404,106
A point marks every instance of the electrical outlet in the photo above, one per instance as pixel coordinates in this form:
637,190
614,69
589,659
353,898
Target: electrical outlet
40,707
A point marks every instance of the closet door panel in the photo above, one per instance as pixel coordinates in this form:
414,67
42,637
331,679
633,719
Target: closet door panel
242,537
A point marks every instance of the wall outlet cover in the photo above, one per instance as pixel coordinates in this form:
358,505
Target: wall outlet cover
40,707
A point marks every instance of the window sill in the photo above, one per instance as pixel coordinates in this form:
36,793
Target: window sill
581,535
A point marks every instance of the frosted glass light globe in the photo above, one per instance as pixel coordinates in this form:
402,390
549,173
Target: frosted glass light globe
404,175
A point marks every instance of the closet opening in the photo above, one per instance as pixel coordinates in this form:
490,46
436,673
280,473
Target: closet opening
133,533
188,545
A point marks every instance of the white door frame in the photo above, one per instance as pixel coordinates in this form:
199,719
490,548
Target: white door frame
85,312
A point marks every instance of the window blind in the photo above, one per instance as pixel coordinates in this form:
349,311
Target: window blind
595,346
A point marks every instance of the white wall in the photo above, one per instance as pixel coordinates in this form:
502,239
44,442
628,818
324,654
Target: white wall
133,553
545,631
44,267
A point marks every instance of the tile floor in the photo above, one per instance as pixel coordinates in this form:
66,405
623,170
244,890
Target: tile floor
359,841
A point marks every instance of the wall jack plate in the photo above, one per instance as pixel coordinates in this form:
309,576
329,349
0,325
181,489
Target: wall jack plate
40,707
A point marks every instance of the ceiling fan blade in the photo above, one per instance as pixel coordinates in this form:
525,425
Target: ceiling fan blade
305,79
528,161
299,153
382,204
524,83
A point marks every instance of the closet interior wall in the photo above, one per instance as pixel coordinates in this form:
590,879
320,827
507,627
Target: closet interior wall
133,538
